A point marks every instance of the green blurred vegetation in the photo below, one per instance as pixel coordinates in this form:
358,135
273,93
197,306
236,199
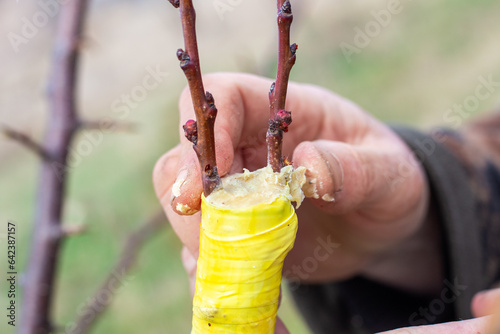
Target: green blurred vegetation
428,58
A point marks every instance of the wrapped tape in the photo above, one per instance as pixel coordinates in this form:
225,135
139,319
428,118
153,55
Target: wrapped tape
239,266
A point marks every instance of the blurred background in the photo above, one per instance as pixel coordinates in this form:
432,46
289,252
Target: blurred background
410,67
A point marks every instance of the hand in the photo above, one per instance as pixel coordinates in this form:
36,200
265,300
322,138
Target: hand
371,213
485,306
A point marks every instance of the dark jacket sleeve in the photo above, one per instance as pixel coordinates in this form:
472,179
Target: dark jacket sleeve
463,171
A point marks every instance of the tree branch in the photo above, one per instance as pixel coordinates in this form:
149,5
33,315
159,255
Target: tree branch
26,141
134,243
279,118
203,102
62,123
108,126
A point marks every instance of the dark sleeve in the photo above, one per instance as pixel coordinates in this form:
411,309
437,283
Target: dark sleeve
463,171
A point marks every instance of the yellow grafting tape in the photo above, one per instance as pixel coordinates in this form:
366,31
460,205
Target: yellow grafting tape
239,267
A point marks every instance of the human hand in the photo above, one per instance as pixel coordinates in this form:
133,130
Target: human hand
374,226
485,307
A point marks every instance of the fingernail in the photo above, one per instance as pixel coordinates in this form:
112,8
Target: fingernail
338,178
177,187
335,172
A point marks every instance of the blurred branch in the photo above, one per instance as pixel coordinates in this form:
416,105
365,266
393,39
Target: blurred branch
25,141
62,123
135,241
108,126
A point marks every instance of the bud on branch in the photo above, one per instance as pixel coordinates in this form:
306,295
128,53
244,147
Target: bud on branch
190,131
283,119
174,3
279,118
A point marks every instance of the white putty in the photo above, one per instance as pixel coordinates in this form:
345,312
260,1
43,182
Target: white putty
328,198
262,186
183,208
176,188
310,189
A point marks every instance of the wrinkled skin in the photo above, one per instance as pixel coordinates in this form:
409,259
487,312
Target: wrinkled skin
373,209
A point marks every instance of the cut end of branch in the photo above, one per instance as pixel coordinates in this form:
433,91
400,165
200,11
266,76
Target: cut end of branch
191,131
174,3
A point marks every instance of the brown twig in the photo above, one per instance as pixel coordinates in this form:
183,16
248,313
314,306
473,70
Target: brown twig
90,314
26,141
279,118
108,126
62,123
201,132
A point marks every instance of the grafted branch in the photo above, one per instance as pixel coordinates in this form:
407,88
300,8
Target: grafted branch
279,118
62,123
203,102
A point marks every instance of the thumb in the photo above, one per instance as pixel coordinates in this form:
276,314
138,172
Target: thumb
343,177
335,174
325,174
486,303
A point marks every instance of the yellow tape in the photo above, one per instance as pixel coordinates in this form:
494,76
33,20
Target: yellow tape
239,266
